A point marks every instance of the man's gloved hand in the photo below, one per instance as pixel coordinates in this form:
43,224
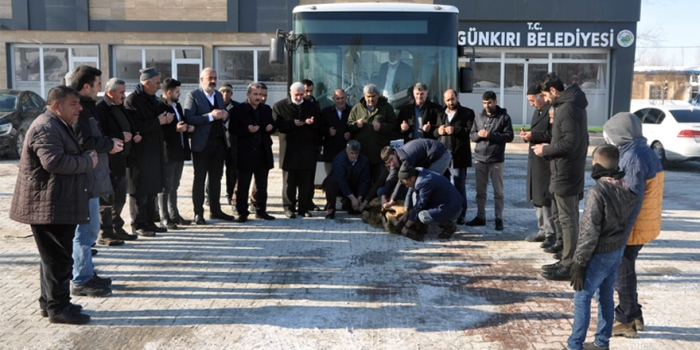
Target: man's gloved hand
578,276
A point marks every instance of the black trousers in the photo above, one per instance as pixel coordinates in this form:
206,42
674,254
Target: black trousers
626,286
208,163
330,186
231,173
55,244
244,178
375,171
143,210
111,207
301,181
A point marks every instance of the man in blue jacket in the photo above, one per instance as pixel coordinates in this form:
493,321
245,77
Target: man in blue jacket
350,177
437,202
491,131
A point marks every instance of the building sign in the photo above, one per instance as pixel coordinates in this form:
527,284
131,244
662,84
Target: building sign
538,34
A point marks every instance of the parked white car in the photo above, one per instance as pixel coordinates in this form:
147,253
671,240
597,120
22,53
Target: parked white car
672,131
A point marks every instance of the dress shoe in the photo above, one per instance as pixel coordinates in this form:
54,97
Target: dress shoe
70,315
305,214
220,215
330,215
169,224
563,273
627,330
109,241
199,219
154,228
242,218
103,281
477,221
548,241
178,220
593,346
145,232
557,256
461,221
554,249
120,233
93,252
290,214
264,215
77,307
499,224
537,237
90,289
551,267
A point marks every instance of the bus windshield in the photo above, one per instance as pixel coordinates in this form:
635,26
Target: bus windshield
393,50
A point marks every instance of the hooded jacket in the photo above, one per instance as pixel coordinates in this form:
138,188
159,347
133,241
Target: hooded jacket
605,215
500,128
643,173
569,145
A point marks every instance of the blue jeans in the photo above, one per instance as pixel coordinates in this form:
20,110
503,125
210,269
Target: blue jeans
85,236
600,276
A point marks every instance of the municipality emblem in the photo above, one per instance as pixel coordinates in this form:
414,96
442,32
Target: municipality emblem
625,38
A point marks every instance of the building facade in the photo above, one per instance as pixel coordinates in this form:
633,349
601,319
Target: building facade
515,42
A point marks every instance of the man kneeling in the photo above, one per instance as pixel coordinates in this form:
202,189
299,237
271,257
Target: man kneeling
436,202
349,176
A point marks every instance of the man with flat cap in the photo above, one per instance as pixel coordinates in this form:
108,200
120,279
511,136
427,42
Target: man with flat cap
433,200
146,174
205,109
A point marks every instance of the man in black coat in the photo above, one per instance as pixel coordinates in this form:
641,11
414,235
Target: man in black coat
296,121
538,173
417,120
567,153
115,123
253,126
349,177
177,150
452,128
146,174
335,128
204,108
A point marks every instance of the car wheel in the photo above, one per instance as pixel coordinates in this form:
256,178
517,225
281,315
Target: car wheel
658,149
16,151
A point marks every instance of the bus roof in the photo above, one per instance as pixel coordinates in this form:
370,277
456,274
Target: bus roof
375,7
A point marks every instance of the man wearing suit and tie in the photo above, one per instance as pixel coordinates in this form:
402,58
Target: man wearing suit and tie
205,109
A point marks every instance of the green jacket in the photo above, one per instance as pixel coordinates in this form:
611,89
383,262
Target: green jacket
372,141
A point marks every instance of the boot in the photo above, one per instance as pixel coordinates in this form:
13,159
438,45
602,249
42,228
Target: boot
627,330
448,229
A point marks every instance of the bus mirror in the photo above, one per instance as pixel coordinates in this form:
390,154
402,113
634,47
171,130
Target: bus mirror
466,75
277,50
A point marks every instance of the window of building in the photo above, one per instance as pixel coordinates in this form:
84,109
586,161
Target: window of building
657,92
240,66
38,68
509,72
183,63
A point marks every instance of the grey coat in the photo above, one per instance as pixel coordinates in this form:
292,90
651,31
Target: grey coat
51,186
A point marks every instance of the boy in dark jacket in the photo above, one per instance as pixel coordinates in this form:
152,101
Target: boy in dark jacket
491,131
599,249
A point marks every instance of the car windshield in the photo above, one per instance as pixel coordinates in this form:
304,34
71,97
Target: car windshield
687,115
7,102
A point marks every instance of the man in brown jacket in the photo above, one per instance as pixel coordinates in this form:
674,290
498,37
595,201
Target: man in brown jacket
51,196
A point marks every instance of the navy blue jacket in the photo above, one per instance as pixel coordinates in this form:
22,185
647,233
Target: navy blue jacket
417,153
351,179
436,194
